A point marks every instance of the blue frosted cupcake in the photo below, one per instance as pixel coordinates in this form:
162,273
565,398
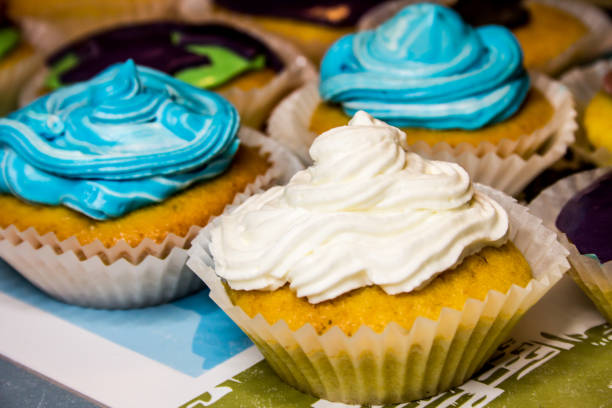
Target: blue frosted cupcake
105,182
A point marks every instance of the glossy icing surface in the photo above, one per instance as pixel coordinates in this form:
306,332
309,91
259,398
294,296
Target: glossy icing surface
131,136
586,219
342,13
366,213
426,68
205,55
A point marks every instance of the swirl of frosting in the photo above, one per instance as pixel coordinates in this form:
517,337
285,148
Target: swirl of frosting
129,137
426,68
366,213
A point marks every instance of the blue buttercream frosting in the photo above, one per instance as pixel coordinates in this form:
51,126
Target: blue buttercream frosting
129,137
426,68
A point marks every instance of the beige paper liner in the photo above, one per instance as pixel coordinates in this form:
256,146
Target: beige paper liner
597,40
502,167
398,365
254,105
594,278
122,276
584,83
13,77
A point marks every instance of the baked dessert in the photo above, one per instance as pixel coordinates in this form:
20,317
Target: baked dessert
352,279
598,115
122,167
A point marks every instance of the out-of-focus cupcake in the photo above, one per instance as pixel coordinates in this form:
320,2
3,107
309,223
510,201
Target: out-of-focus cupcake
313,26
592,90
579,207
535,23
250,69
17,62
56,22
456,91
376,276
105,182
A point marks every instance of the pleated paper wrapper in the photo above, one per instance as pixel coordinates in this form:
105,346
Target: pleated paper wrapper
597,40
254,105
594,278
508,166
584,83
122,276
398,365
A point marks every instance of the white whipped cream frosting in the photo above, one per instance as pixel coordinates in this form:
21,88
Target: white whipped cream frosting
366,213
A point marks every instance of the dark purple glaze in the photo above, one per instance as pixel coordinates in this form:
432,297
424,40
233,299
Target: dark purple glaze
152,45
607,83
509,13
339,13
587,219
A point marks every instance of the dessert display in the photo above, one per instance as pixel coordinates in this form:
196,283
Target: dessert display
371,247
452,88
123,166
579,207
535,23
312,26
213,55
591,86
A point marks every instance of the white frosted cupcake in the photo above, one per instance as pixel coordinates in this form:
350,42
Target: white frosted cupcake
376,276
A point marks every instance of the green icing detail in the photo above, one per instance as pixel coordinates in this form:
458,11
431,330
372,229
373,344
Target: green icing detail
53,80
9,38
225,65
175,38
592,256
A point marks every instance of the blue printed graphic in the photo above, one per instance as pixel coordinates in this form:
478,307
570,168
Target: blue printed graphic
191,335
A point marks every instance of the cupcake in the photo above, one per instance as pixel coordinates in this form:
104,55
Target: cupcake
535,23
376,276
592,89
17,63
56,21
312,26
105,182
253,72
452,88
579,207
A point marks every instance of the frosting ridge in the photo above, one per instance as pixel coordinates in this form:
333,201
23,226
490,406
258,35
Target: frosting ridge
426,68
126,138
366,213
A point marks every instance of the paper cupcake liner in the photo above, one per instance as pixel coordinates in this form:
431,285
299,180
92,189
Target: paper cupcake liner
255,105
584,83
501,167
594,278
123,276
398,365
12,78
48,33
597,40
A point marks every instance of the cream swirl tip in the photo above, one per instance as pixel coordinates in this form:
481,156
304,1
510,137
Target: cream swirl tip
366,213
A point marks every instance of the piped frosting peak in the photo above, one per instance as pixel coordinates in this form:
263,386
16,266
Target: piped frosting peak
128,137
426,68
366,213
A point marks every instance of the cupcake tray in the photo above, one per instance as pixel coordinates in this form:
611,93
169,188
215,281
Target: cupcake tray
189,354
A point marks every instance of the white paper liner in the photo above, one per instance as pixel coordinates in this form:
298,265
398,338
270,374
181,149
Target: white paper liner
594,278
497,166
596,41
255,105
123,276
398,365
584,83
48,34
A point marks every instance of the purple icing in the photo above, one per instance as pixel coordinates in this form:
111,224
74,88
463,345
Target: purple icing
157,45
587,219
337,13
